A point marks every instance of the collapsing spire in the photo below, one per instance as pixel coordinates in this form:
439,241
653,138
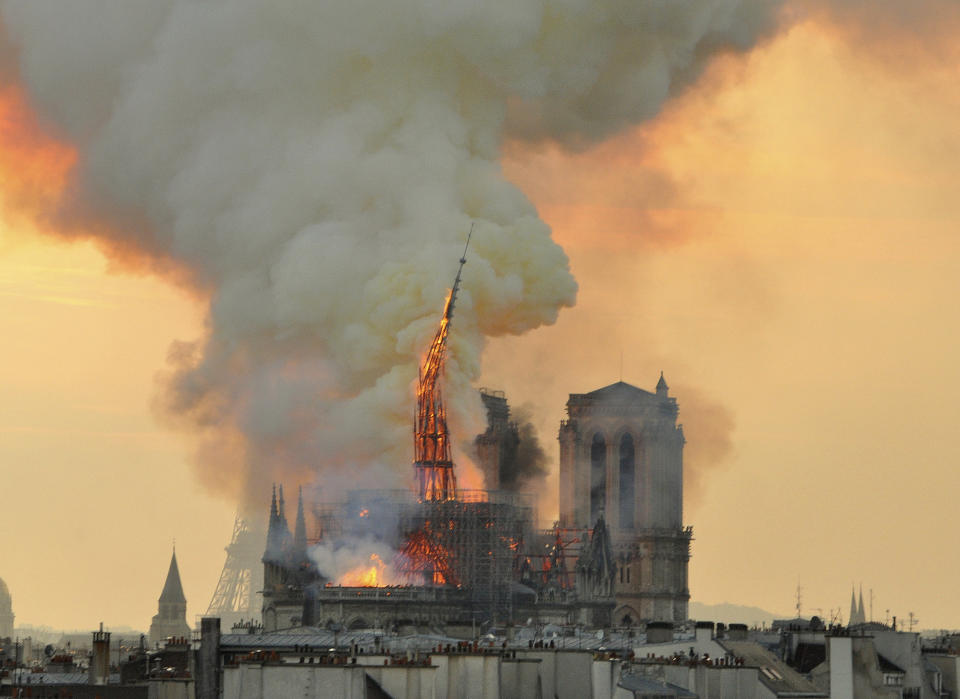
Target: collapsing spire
432,462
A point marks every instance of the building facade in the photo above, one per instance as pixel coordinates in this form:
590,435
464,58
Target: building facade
621,461
498,444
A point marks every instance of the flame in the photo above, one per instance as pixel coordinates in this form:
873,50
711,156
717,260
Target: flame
373,576
425,560
364,513
431,444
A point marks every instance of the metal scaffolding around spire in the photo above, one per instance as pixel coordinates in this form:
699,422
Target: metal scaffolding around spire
433,464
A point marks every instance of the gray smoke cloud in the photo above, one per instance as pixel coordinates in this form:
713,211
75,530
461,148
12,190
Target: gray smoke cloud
313,168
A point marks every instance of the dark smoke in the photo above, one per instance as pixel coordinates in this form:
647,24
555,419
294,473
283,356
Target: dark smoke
525,465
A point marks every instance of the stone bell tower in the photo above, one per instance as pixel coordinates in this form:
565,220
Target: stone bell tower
621,458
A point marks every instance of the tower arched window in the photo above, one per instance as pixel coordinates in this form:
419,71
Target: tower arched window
598,476
628,471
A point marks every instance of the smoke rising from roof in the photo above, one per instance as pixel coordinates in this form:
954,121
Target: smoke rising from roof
527,464
312,169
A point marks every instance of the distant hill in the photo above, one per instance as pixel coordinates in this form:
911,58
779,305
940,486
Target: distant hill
733,614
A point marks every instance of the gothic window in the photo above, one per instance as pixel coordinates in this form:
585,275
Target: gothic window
598,476
627,480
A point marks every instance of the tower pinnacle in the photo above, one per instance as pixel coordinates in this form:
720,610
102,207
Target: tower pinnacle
662,387
171,617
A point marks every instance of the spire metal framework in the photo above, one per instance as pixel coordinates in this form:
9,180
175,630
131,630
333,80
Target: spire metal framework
433,464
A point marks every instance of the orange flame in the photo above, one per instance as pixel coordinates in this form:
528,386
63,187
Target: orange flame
432,462
373,576
425,560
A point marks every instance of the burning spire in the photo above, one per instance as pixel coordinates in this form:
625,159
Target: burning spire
431,442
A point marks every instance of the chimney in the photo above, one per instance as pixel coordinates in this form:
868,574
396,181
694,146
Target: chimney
737,632
840,657
208,661
704,631
659,632
100,660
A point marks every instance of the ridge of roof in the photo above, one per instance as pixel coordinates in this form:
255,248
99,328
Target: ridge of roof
620,388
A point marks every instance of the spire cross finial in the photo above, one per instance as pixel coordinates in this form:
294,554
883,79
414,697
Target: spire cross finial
456,282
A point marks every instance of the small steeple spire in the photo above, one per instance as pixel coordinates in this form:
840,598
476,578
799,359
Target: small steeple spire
662,387
273,504
300,531
861,613
173,588
853,607
281,510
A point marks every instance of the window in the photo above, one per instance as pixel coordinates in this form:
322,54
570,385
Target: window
598,476
627,480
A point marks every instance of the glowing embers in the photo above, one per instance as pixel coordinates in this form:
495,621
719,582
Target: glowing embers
549,567
375,575
425,561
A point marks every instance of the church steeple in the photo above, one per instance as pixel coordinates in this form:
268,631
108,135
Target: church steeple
172,588
300,530
281,509
171,618
857,613
662,388
278,533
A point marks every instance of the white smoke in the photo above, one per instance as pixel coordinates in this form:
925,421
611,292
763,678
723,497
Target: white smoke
314,168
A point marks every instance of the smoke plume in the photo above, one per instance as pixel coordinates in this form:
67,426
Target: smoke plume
526,464
312,170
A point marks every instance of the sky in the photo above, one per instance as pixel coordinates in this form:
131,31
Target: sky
780,240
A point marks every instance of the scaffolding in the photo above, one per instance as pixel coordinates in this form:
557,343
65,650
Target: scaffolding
474,541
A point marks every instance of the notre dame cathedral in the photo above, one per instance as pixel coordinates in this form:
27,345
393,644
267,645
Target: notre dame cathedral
621,457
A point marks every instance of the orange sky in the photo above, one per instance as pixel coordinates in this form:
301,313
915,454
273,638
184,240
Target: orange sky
783,244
